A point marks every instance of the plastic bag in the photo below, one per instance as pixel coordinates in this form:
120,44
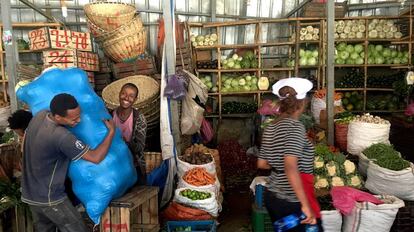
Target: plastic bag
362,135
192,116
397,183
196,87
331,220
207,132
367,217
209,205
94,184
345,198
318,104
175,88
268,107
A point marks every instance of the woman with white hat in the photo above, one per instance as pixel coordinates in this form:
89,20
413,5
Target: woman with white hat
286,150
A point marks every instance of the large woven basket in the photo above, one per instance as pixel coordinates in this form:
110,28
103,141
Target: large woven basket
134,25
109,15
96,31
149,90
126,48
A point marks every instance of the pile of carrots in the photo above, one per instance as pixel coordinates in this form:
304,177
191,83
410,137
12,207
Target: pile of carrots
321,93
199,177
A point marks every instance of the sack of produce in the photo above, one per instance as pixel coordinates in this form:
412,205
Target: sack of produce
178,212
198,157
366,130
331,220
199,179
398,183
204,200
367,217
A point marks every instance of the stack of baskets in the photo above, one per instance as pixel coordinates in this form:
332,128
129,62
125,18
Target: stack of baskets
117,29
148,101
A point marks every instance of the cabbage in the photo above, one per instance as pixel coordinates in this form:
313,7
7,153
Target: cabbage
379,60
358,48
303,61
394,53
341,46
386,52
354,55
350,61
312,61
344,55
397,60
302,53
371,60
234,83
359,61
349,48
379,47
308,53
315,53
340,61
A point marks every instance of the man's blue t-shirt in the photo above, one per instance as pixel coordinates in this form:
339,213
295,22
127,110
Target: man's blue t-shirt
48,149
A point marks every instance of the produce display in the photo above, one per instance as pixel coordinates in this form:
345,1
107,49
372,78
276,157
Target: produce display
368,118
207,64
383,102
7,137
238,83
181,229
197,157
384,80
379,54
333,169
321,93
383,29
204,40
349,54
344,118
307,33
199,177
195,195
248,60
207,80
22,44
352,79
353,101
350,29
235,107
386,156
308,57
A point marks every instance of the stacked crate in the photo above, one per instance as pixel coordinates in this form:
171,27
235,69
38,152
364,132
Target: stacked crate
260,217
103,76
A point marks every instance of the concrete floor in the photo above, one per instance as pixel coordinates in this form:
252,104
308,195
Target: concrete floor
235,216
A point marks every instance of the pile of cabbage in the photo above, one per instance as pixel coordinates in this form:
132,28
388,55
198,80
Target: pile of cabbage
307,33
380,54
308,57
349,54
377,29
238,83
333,169
350,29
208,81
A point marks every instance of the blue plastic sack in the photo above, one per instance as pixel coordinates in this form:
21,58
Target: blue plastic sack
158,177
94,184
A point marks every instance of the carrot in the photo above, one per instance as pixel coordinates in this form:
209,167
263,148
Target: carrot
199,177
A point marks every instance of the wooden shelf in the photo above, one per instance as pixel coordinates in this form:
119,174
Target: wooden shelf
350,40
380,89
387,65
278,69
274,44
240,70
349,65
308,66
246,92
213,94
207,70
309,41
349,89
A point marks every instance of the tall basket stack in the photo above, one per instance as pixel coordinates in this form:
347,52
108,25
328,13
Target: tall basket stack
118,29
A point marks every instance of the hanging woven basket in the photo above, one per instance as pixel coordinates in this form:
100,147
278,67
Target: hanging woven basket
149,90
109,15
126,48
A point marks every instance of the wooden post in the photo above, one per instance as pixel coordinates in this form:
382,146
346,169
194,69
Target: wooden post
330,62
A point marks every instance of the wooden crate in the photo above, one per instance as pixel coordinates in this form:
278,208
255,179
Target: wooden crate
10,157
318,9
139,67
137,211
87,61
47,38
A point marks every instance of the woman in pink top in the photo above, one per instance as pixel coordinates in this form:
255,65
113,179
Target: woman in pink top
133,127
